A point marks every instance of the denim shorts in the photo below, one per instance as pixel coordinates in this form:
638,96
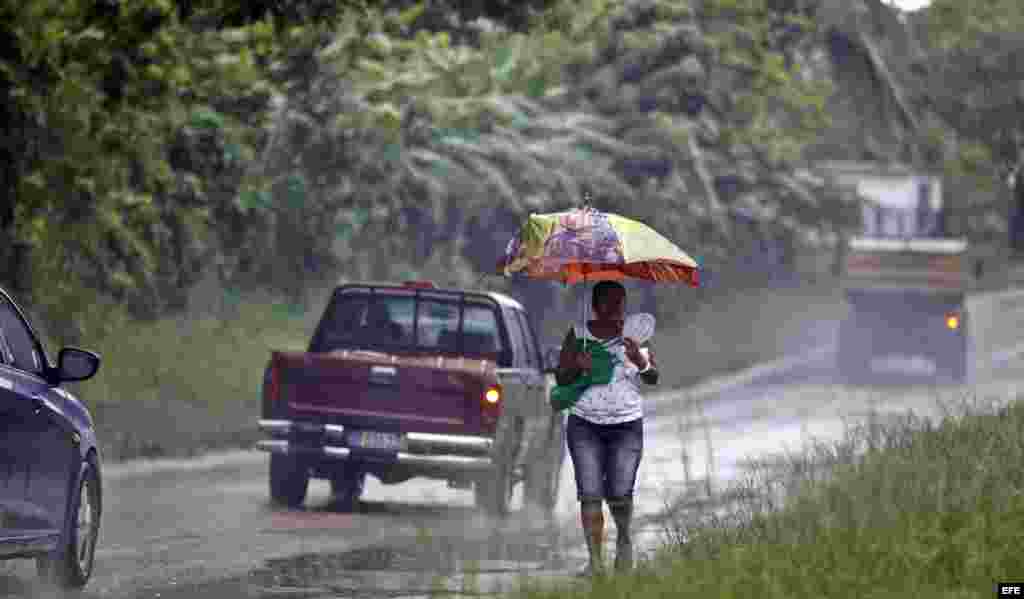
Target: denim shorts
605,457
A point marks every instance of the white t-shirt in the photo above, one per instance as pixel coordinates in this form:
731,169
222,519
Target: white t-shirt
618,401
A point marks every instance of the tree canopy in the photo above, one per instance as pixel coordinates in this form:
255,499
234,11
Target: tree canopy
975,84
147,142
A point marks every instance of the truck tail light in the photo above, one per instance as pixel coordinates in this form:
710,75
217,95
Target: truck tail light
952,321
946,263
491,405
859,261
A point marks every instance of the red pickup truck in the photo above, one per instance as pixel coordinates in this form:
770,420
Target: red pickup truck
409,380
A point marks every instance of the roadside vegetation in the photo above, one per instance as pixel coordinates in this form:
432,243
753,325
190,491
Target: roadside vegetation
910,507
183,385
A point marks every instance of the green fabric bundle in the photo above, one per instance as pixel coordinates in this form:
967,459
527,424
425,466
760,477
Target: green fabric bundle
602,366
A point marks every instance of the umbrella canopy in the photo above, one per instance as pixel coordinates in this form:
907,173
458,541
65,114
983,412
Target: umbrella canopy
588,245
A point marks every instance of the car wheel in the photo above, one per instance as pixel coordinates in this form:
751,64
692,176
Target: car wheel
72,565
289,480
347,488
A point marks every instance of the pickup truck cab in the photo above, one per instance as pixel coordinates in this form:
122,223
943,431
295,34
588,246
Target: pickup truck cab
408,380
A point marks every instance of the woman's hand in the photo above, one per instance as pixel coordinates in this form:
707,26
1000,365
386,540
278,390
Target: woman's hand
571,364
583,361
634,354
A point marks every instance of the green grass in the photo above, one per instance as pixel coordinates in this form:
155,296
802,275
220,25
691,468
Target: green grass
907,508
181,386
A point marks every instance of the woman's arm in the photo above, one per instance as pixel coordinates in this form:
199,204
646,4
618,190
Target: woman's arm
650,376
568,370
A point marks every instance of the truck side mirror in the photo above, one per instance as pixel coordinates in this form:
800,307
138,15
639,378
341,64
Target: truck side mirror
979,268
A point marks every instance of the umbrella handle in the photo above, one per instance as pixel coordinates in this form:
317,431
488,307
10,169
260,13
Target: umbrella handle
585,311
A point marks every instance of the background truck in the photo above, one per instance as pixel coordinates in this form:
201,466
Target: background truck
408,380
913,289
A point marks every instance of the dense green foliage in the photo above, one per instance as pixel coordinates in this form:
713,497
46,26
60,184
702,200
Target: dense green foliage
533,121
150,143
102,106
974,84
972,25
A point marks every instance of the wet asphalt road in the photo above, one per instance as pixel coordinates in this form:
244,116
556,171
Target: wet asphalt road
203,528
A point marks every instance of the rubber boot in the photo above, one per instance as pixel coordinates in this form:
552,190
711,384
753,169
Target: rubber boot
622,513
592,518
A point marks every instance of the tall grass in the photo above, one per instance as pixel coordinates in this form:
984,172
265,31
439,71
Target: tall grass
903,508
183,385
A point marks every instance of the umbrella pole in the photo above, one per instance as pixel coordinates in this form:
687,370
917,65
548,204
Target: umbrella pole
586,310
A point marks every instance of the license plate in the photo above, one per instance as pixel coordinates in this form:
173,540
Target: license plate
375,440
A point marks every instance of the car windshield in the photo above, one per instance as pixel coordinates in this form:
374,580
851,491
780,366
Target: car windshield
395,322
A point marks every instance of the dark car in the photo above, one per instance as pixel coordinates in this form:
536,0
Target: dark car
50,491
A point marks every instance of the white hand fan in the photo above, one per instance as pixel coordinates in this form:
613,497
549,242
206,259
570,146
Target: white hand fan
639,327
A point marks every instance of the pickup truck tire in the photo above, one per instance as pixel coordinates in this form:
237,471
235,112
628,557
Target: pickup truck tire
544,477
493,491
289,480
346,489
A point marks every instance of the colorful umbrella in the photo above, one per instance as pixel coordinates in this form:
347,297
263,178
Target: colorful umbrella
588,245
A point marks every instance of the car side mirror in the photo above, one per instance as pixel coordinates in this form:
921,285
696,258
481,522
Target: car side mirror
75,364
551,358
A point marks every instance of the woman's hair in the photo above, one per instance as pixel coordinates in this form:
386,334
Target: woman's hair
603,288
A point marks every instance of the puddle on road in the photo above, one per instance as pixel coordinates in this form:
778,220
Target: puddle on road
421,569
433,562
444,556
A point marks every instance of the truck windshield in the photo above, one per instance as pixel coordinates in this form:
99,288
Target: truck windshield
883,222
897,213
393,322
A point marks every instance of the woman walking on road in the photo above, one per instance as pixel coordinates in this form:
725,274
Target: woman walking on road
605,427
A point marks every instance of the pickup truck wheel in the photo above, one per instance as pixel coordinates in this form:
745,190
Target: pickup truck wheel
347,489
289,480
545,477
493,490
